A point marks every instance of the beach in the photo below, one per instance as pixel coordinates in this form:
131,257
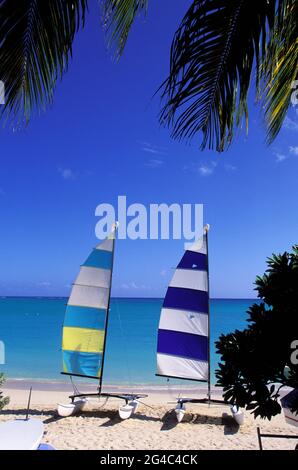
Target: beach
153,427
31,329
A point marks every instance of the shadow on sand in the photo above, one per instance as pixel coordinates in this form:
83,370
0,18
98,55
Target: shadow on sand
169,421
21,414
51,415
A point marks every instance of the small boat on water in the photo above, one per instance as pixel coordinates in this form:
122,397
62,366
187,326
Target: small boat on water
183,345
85,329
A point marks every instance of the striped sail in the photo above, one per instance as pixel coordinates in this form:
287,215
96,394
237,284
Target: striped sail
183,343
84,326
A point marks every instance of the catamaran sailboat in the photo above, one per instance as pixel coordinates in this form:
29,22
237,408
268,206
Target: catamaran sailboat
85,329
183,346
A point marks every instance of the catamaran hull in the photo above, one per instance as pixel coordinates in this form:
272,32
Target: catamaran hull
180,412
238,415
125,411
70,409
290,417
135,404
288,402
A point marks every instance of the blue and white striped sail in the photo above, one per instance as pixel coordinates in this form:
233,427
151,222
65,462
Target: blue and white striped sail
85,320
183,343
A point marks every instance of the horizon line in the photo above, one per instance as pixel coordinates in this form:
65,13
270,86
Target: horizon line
112,297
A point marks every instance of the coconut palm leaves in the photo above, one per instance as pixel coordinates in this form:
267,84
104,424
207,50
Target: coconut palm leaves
118,17
279,69
212,58
36,39
220,46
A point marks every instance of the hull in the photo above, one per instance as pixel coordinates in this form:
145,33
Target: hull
125,411
287,402
290,417
70,409
238,415
180,412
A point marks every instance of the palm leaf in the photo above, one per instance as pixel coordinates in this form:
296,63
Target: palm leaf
280,66
118,17
212,58
35,46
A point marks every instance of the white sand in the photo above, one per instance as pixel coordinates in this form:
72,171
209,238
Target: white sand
154,427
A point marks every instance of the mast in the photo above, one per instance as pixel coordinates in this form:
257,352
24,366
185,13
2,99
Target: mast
209,352
115,225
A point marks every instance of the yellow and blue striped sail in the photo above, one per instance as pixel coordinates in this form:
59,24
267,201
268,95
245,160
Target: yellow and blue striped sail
84,326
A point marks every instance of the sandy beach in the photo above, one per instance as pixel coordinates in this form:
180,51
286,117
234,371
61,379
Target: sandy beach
153,427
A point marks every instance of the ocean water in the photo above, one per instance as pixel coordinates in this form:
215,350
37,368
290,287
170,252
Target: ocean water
31,330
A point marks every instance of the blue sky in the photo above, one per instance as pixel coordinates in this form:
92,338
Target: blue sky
101,139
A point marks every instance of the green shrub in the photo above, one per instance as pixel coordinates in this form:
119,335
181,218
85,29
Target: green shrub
3,400
256,362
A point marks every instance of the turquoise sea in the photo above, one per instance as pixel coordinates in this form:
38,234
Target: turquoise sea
31,330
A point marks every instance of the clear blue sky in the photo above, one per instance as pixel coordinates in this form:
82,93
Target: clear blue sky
101,139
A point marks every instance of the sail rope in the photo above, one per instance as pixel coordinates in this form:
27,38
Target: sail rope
104,403
171,392
75,388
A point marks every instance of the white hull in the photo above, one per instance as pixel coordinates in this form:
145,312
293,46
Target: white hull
135,404
70,409
290,417
287,403
238,415
180,412
125,411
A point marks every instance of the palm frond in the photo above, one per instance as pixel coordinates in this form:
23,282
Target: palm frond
279,69
118,17
212,58
36,39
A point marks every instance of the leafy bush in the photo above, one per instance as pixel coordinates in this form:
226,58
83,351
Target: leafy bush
256,362
3,400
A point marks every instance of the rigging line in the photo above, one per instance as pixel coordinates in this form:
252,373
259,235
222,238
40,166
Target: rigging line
104,403
146,404
180,385
170,390
159,416
75,388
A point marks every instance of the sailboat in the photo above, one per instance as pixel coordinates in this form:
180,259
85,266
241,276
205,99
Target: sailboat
183,344
85,329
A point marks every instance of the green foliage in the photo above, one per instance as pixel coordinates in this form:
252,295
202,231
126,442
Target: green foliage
219,47
279,68
252,370
3,400
119,16
36,40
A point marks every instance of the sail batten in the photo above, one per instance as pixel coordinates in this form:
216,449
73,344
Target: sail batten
85,323
183,334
